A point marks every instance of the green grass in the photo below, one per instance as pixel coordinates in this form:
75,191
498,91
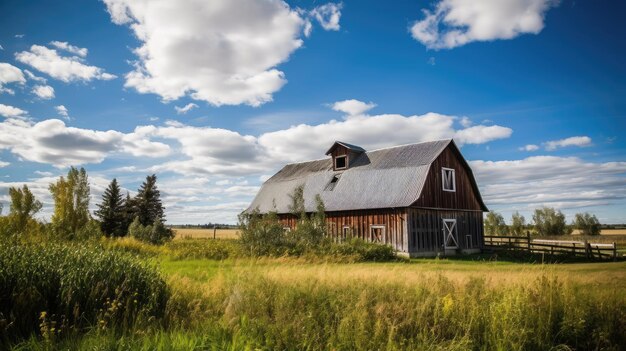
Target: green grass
468,303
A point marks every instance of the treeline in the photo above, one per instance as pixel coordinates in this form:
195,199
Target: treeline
141,216
545,221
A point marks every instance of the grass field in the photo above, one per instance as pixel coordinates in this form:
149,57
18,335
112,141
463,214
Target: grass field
192,233
282,303
605,232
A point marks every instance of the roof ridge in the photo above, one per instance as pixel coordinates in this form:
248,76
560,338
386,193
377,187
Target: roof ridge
408,144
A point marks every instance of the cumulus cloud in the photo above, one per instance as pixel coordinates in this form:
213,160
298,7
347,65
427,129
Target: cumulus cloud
328,15
64,68
224,52
482,134
580,141
63,45
45,92
11,112
353,107
454,23
4,164
10,74
52,142
185,109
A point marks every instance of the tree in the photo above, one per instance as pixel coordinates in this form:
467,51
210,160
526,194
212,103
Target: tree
23,207
549,221
148,202
71,203
129,212
297,207
494,224
111,211
588,224
517,224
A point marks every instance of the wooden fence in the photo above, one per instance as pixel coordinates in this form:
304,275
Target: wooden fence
552,247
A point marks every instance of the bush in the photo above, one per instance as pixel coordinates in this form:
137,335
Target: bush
588,224
157,233
57,289
361,250
262,235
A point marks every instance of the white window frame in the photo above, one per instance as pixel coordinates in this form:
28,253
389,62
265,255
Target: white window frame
286,229
346,164
443,179
378,226
448,232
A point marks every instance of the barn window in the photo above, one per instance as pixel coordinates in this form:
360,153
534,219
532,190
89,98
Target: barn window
333,182
345,232
449,183
341,162
377,233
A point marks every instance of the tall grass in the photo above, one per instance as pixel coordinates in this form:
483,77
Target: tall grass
56,289
247,310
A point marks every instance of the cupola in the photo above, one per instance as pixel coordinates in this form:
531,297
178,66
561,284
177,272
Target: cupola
343,154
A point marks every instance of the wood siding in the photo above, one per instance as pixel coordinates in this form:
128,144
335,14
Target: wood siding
426,234
360,222
433,196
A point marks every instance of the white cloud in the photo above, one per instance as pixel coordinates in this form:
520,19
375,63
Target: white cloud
19,36
481,134
63,45
185,109
564,182
10,74
328,15
465,122
1,48
580,141
32,76
223,182
529,147
353,107
44,174
45,92
457,22
62,111
64,68
11,112
216,151
52,142
4,164
224,52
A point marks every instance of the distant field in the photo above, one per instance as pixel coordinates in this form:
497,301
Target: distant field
605,232
192,233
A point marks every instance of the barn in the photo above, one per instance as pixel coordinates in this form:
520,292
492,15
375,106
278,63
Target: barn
422,199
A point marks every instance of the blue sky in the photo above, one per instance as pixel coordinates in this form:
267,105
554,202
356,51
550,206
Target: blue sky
532,90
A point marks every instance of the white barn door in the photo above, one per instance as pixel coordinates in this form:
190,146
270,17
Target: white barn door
450,238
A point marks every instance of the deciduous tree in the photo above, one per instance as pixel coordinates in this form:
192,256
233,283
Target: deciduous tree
494,224
517,224
71,203
587,223
549,221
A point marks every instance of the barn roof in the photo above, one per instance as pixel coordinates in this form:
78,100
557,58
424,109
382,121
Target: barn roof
384,178
347,146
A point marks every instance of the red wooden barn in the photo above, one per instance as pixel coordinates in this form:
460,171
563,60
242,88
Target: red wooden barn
422,199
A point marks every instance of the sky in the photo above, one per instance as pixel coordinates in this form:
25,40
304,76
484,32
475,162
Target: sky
216,96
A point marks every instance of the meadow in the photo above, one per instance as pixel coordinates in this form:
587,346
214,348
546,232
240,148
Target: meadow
220,299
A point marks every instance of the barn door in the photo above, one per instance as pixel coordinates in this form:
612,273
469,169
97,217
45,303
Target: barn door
450,238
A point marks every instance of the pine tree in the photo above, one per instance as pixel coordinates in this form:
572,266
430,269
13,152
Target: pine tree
71,202
111,211
149,206
129,210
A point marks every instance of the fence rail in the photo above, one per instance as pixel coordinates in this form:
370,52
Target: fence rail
552,247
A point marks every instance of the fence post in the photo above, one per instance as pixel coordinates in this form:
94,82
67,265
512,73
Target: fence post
214,231
587,249
528,240
614,251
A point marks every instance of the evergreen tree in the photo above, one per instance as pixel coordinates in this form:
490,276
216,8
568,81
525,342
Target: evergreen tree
71,203
111,211
129,211
149,206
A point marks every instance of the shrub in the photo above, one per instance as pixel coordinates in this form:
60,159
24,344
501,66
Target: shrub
157,233
262,234
56,289
361,250
588,224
